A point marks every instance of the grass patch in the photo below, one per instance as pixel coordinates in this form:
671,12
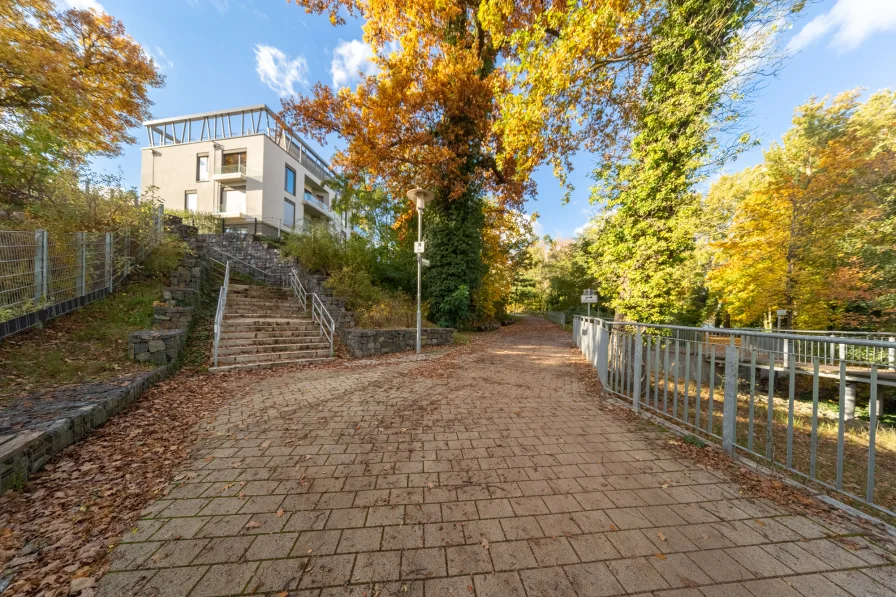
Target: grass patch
693,440
462,338
91,343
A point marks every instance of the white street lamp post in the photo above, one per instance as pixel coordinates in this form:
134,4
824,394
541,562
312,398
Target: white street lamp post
421,196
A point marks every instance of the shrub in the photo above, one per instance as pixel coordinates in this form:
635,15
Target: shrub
374,306
455,308
323,252
205,222
164,258
92,203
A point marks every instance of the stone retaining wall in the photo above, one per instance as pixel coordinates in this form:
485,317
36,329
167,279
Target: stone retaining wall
156,347
25,451
368,343
171,318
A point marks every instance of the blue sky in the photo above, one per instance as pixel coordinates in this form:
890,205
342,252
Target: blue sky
218,54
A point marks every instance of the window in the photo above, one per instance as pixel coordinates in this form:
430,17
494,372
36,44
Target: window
191,202
289,213
202,168
290,181
234,162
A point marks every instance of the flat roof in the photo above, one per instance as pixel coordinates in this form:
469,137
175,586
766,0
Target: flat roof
207,114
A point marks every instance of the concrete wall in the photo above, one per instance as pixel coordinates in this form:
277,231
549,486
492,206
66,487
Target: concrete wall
367,343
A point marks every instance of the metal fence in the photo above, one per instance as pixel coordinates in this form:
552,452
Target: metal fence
44,275
558,317
761,394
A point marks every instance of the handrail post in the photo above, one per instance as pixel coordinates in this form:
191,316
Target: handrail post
729,406
636,373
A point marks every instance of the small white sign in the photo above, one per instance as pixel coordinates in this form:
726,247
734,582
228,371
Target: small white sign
782,312
419,247
425,262
589,298
587,292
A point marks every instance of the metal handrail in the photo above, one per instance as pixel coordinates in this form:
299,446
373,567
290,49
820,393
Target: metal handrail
298,289
219,314
740,332
320,314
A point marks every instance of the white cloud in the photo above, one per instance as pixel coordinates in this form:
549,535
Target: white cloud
278,71
222,6
850,22
158,56
350,58
82,4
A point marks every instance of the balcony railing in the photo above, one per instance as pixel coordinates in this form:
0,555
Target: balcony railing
231,169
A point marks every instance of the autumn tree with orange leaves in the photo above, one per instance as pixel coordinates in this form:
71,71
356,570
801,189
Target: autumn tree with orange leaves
72,84
431,115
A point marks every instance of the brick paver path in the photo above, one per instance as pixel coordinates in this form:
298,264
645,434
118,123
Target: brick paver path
492,473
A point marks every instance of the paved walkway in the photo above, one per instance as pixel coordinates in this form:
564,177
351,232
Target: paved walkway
492,473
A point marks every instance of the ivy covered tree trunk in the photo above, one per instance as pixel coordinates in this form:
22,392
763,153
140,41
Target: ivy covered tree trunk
646,261
453,233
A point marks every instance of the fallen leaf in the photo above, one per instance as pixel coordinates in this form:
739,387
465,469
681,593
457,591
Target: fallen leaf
282,594
660,556
661,536
253,524
760,523
613,527
280,513
485,543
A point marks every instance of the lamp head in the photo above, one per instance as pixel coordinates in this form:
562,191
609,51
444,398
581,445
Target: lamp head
421,197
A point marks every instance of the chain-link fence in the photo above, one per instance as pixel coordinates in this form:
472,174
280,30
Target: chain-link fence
44,275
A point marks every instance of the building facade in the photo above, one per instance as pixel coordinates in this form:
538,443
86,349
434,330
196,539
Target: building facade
242,165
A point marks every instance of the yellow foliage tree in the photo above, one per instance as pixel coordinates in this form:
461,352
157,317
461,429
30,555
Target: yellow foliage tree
796,235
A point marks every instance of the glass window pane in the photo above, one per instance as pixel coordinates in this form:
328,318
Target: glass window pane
191,202
290,180
202,168
289,213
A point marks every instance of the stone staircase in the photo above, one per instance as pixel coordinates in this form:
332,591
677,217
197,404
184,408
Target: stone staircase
265,327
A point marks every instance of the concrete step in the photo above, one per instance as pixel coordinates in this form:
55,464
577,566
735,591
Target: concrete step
286,322
266,365
261,292
297,315
225,350
270,357
275,333
264,339
275,308
261,331
237,301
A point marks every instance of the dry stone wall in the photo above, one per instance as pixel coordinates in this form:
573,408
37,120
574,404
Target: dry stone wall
367,343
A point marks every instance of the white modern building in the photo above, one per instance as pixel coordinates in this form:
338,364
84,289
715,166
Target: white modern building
243,165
